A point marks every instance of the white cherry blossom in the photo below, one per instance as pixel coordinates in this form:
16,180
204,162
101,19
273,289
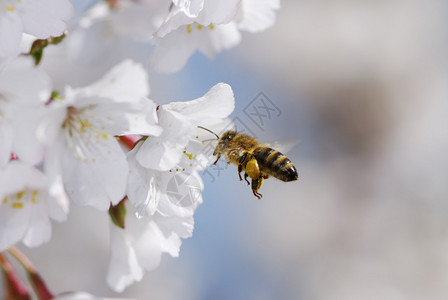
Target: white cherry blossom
164,187
80,134
214,12
211,31
173,50
26,206
179,150
139,246
42,19
179,121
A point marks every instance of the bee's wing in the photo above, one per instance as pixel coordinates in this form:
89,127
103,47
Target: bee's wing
283,146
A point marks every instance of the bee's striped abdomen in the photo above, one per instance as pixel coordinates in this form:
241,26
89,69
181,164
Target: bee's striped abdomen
274,163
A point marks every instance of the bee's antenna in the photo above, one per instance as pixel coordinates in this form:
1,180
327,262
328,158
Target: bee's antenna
217,136
209,140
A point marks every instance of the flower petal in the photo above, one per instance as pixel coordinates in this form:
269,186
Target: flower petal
58,202
258,15
122,118
181,194
96,180
132,19
175,19
126,82
181,227
148,247
6,136
164,152
20,72
223,37
16,175
217,103
141,189
190,7
13,224
218,11
44,18
214,12
11,30
174,50
124,268
26,143
39,229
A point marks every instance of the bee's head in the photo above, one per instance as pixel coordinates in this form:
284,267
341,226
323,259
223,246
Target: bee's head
224,141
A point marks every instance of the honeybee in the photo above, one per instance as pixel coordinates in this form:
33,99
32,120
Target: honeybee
258,161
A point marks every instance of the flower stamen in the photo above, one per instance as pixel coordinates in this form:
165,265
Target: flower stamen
19,199
81,134
198,27
17,205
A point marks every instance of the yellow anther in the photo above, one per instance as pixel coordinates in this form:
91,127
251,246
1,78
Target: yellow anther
199,27
85,124
9,7
5,200
17,205
20,194
33,196
189,155
189,28
83,127
211,26
117,138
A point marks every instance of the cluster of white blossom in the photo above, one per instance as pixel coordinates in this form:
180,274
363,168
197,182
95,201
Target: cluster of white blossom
62,144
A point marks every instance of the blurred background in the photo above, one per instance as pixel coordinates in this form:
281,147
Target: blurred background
362,86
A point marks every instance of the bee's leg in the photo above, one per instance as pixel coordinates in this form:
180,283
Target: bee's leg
240,165
256,184
252,169
254,172
245,178
219,156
